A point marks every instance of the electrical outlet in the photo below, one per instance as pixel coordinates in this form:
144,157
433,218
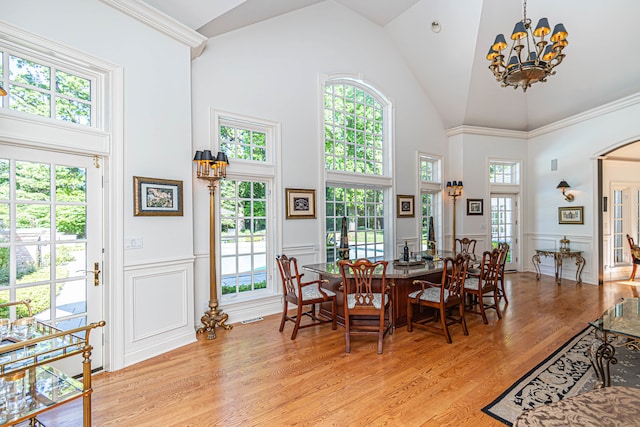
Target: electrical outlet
133,242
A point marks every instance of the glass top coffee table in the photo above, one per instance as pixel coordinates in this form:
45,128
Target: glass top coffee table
619,326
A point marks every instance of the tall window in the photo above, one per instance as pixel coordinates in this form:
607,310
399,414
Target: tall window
41,88
356,130
243,217
246,206
618,227
430,182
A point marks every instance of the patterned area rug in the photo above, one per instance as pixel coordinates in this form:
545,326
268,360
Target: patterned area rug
565,373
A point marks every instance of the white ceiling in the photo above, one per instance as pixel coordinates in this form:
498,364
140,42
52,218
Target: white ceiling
451,64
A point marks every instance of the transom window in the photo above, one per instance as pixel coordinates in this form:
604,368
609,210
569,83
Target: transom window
353,130
244,144
504,172
43,89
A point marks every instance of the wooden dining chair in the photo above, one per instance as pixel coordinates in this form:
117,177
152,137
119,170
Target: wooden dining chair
368,308
466,246
635,256
484,284
504,248
443,298
303,294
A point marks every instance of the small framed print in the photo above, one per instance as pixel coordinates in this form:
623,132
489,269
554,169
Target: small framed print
571,215
475,206
157,197
301,204
406,206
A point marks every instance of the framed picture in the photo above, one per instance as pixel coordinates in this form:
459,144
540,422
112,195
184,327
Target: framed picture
406,207
475,206
571,215
156,197
301,204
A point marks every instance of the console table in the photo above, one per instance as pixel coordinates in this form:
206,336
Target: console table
619,326
558,256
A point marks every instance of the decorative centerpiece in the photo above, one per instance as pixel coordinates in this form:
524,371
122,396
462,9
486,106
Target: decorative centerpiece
564,244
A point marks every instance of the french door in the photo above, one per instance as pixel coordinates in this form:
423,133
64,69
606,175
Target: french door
51,238
504,225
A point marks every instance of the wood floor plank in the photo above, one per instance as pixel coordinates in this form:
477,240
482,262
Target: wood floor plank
254,375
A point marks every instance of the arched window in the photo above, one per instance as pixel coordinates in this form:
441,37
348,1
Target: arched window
357,167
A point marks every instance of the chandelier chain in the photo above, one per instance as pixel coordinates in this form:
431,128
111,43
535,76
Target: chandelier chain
524,9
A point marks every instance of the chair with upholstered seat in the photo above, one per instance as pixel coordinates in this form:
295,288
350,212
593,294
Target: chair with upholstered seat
635,256
484,284
443,298
368,308
466,246
504,248
303,294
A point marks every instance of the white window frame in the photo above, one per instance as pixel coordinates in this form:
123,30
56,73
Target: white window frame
432,186
250,170
515,175
382,182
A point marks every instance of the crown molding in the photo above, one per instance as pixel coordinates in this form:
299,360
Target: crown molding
159,21
602,110
477,130
610,107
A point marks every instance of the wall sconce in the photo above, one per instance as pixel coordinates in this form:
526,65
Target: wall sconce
454,189
563,186
212,169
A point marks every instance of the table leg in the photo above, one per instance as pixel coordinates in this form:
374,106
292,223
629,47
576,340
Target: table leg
536,264
580,262
557,259
601,354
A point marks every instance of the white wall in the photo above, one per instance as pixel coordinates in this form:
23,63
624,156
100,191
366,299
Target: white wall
271,70
154,141
575,143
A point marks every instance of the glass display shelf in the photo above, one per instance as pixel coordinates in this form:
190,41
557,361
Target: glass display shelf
44,390
26,357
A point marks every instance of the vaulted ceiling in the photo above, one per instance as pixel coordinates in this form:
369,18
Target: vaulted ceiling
451,64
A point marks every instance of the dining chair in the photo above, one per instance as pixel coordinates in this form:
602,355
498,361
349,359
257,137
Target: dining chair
484,284
303,294
466,246
504,248
363,298
635,256
443,298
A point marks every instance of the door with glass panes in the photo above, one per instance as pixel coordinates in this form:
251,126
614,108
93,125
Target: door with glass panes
504,225
51,239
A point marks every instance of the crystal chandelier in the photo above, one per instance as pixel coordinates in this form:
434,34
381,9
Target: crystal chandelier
531,58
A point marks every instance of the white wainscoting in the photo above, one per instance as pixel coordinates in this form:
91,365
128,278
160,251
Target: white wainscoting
158,308
569,268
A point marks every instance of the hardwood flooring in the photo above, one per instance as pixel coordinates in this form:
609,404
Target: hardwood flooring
254,375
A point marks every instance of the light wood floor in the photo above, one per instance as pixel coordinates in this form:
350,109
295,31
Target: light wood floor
254,375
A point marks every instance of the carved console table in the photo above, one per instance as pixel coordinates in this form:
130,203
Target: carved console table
558,256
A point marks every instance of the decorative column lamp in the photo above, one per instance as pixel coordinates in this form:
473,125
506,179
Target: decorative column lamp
212,169
454,189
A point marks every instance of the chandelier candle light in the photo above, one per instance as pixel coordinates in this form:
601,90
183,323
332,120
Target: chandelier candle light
212,169
531,58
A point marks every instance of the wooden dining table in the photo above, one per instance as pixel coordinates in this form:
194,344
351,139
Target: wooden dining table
402,277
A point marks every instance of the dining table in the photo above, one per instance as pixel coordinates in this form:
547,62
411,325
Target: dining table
399,276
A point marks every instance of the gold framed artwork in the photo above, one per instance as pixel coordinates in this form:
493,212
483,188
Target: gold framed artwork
157,197
406,206
301,204
573,215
